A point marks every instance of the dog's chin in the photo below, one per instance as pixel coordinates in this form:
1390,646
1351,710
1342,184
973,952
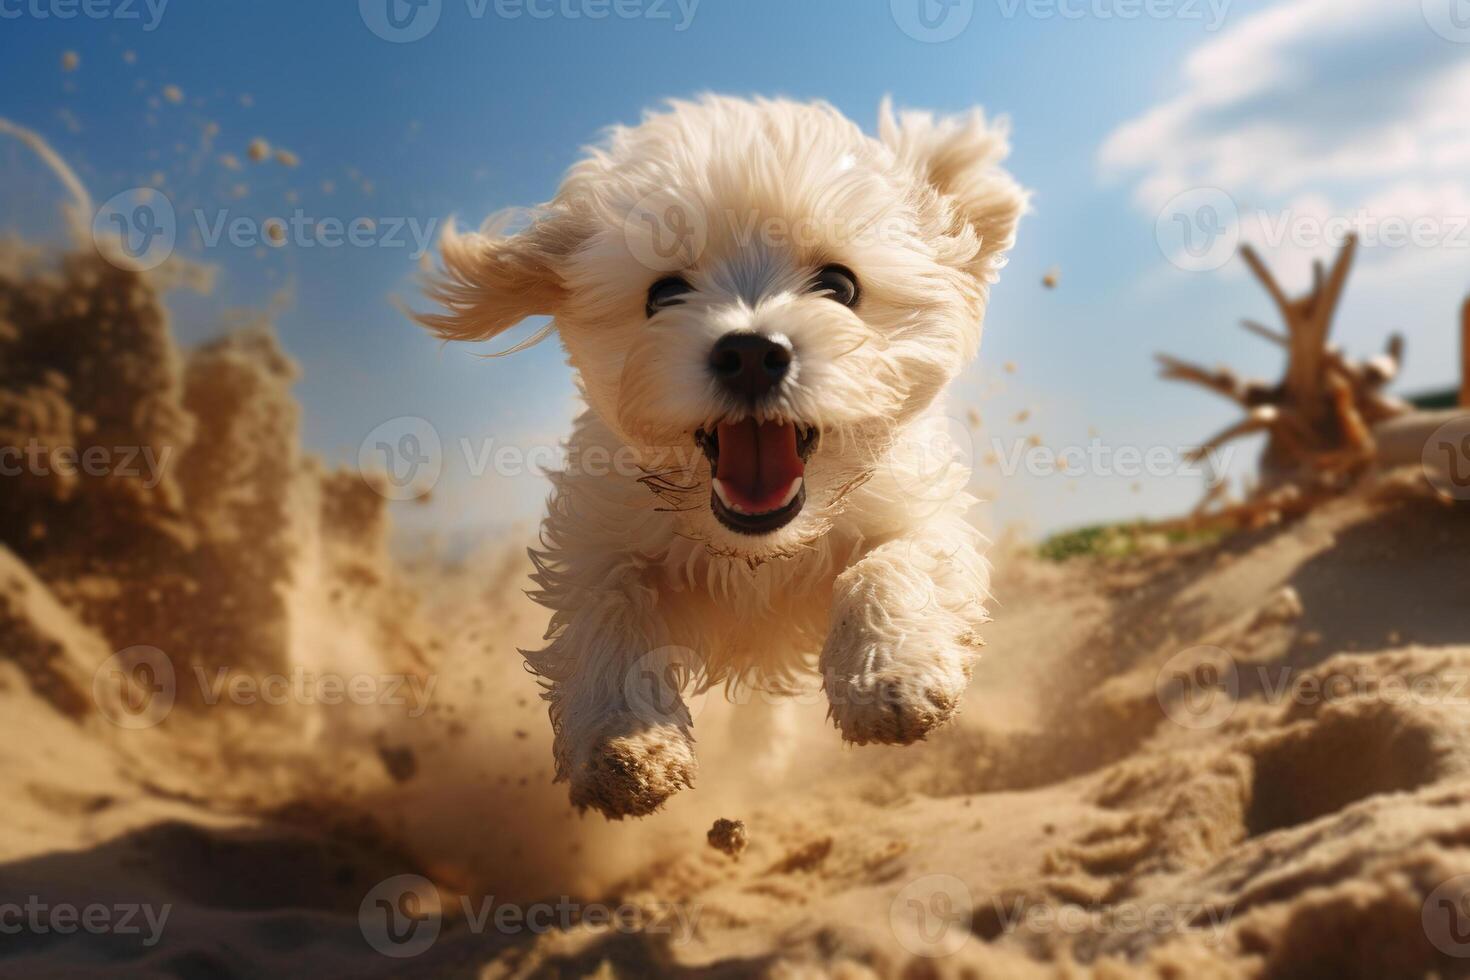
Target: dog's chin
757,474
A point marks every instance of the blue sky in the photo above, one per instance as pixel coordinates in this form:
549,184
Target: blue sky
1300,108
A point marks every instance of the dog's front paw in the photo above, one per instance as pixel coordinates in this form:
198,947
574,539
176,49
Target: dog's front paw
893,690
632,774
891,708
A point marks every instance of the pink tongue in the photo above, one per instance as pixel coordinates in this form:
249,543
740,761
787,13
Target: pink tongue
757,463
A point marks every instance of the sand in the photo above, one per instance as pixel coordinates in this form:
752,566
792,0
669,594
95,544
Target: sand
1249,758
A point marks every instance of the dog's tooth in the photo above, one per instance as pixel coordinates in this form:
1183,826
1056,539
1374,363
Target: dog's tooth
719,486
791,493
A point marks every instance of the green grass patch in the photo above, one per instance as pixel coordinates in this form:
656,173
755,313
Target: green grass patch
1119,541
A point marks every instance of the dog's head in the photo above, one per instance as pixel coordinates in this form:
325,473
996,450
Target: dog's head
758,285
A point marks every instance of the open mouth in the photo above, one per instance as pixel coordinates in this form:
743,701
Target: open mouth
758,470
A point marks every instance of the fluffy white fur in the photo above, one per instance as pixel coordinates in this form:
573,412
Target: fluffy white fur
879,583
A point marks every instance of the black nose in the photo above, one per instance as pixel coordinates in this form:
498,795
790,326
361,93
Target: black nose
749,365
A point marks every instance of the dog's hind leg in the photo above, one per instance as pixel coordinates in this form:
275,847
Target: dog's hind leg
903,634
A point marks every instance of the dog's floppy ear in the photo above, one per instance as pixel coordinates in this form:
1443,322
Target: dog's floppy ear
959,157
488,282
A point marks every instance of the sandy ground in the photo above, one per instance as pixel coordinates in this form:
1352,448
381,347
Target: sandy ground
1245,759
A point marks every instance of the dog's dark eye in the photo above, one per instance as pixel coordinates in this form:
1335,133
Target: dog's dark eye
838,282
665,293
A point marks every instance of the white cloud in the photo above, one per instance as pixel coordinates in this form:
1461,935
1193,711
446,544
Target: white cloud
1316,117
1331,95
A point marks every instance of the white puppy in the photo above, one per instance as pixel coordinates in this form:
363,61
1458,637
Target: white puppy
763,307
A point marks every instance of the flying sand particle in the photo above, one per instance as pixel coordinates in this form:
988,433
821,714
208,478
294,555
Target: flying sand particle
728,837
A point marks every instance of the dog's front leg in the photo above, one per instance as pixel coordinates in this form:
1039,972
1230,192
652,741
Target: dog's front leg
903,634
622,731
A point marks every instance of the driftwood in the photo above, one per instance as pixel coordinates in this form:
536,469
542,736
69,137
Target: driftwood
1326,420
1319,417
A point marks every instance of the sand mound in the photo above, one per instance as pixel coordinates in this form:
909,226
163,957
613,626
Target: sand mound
1251,760
1246,759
